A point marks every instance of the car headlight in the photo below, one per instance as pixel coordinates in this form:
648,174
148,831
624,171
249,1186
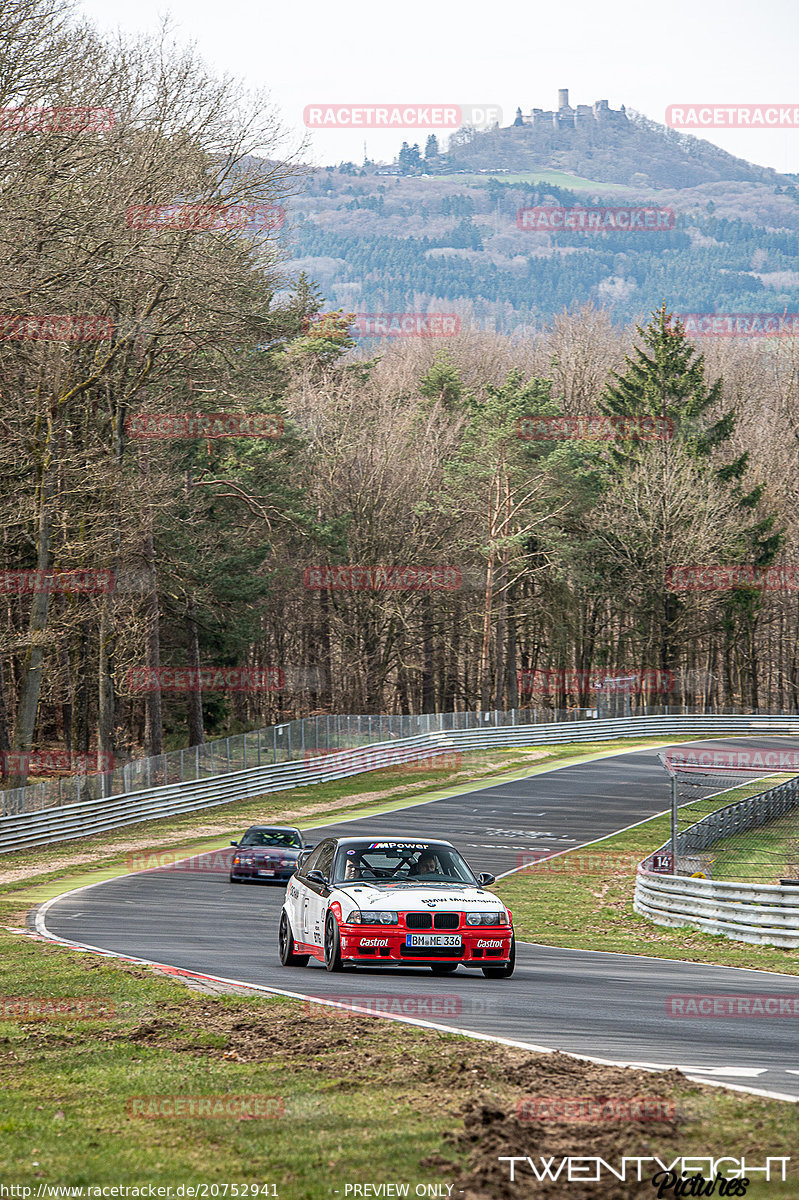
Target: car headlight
372,917
486,918
236,861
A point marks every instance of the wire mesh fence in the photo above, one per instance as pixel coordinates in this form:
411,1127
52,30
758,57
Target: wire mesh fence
735,814
296,740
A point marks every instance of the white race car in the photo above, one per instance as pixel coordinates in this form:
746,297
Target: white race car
394,900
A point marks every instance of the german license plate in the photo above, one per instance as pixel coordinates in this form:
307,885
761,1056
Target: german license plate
267,872
433,939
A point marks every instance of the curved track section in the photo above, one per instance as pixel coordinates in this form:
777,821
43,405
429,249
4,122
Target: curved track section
600,1005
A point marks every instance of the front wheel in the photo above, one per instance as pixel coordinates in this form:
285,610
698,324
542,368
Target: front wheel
285,940
332,945
506,970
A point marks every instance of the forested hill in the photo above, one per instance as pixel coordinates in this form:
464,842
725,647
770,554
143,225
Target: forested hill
452,243
619,148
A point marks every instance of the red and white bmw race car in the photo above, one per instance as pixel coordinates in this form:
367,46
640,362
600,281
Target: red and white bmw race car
394,900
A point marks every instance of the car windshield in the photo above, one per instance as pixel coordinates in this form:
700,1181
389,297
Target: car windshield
400,862
289,839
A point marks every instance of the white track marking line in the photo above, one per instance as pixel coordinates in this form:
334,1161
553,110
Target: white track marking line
43,931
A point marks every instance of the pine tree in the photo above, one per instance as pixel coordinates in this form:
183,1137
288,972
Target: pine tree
664,380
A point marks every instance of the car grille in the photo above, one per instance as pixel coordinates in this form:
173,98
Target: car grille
447,920
431,951
439,920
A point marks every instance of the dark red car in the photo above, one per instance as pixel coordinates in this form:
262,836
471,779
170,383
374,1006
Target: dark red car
266,854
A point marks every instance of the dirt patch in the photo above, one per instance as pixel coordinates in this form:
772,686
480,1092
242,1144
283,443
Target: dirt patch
491,1131
491,1092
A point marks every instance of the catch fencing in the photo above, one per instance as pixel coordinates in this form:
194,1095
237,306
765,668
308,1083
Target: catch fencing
384,741
762,913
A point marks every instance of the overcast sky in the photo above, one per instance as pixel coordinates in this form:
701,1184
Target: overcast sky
646,56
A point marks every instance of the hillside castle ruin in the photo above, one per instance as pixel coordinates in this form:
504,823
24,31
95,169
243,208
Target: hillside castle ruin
566,117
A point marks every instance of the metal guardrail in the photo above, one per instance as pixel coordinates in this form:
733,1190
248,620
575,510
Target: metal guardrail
763,913
280,744
766,914
112,812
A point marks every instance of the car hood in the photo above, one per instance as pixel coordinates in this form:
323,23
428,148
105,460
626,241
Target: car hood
402,897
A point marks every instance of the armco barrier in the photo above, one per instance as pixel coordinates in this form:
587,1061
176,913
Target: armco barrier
763,913
112,812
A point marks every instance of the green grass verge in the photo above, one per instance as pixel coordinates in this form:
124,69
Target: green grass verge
584,900
764,855
355,1099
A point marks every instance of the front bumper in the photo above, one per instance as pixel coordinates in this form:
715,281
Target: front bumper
262,873
388,944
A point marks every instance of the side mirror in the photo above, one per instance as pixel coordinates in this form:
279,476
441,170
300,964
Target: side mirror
234,843
485,879
317,877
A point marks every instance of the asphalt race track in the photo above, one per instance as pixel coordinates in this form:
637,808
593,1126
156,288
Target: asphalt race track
608,1006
